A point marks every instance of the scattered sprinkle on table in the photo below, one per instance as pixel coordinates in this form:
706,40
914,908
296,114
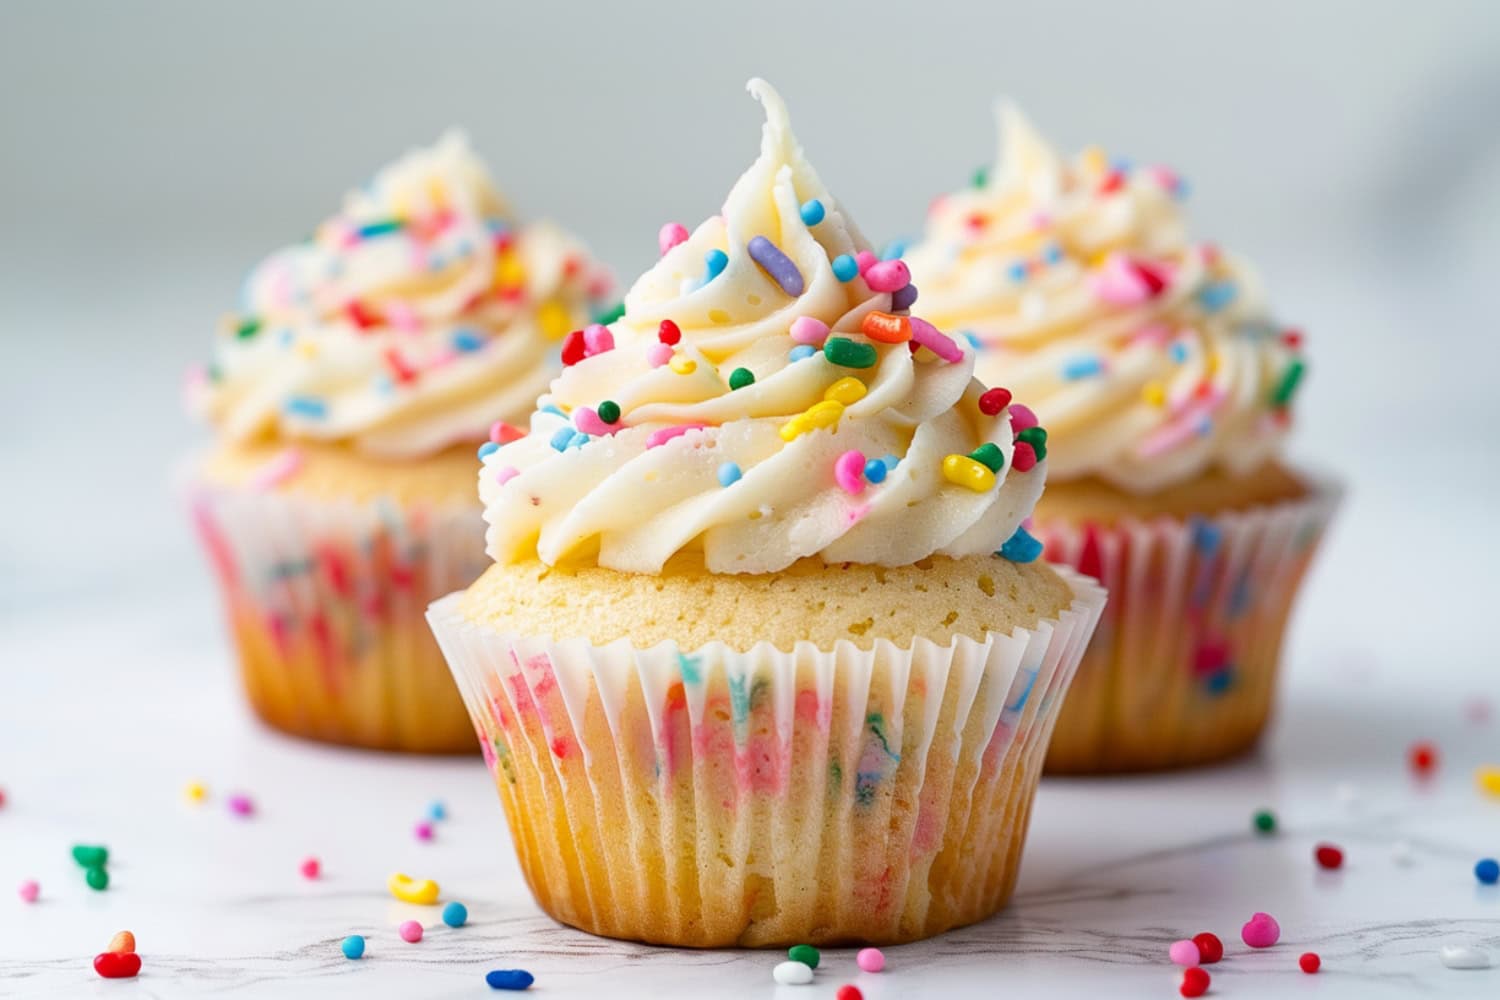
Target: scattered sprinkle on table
1329,856
1261,931
1423,757
849,992
97,878
804,953
410,931
870,959
410,890
1184,953
1462,956
509,979
1194,982
195,792
1210,948
455,914
792,974
91,855
241,804
353,947
423,830
1487,870
117,964
29,890
1309,962
311,868
123,942
1264,821
437,811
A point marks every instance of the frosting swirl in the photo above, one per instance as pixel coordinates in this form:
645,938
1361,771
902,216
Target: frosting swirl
411,320
1150,358
765,397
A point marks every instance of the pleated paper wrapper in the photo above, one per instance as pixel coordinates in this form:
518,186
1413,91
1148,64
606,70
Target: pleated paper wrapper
1184,665
765,798
325,601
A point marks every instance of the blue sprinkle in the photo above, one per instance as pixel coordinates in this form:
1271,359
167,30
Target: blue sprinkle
729,474
286,337
1216,295
467,340
1078,368
891,461
497,227
812,212
307,406
455,914
904,298
485,450
437,811
1487,870
974,341
384,385
1178,351
894,250
1220,680
1206,536
845,267
578,440
550,408
353,946
875,470
562,438
509,979
1021,547
1181,189
1121,165
714,263
802,351
1053,254
1017,271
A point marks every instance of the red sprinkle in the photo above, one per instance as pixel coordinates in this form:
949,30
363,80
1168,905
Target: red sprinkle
976,221
1194,983
849,992
992,402
311,868
404,373
1309,962
574,349
1423,756
361,315
1210,948
1328,856
117,964
1292,338
668,333
1023,459
1114,181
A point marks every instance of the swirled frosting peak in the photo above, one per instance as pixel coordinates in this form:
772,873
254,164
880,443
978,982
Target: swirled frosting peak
413,319
765,397
1150,357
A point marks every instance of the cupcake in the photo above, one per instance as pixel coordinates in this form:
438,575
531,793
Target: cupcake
348,398
748,668
1166,390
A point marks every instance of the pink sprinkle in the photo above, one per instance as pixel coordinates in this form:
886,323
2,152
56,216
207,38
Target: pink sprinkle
849,472
870,960
506,473
662,435
670,235
1041,221
809,330
1152,335
1125,282
311,868
240,804
597,339
866,260
423,830
1023,459
403,317
29,890
504,433
1166,177
1261,931
888,276
278,470
658,354
939,343
1184,953
410,931
586,419
1021,418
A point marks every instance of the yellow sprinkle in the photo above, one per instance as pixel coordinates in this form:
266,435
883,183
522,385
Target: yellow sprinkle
409,890
961,470
437,194
682,365
509,271
1155,393
1094,160
824,414
1488,777
553,317
307,349
847,390
1212,364
195,791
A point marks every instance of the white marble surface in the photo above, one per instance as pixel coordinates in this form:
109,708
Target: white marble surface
106,712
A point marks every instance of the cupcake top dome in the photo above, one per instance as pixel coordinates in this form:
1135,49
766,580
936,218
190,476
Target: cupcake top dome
411,320
765,397
1150,357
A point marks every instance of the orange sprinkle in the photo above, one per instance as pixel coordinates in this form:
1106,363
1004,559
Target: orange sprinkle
885,328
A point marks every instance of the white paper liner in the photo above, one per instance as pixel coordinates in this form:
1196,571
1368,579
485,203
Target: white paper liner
1183,667
326,602
767,797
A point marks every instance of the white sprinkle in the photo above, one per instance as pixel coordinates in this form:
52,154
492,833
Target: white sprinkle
1457,956
797,974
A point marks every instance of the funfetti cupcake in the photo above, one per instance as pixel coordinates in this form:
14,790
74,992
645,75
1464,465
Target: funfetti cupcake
349,396
1166,389
748,668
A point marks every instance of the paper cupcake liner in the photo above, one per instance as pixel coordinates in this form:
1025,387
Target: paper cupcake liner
326,600
764,798
1182,670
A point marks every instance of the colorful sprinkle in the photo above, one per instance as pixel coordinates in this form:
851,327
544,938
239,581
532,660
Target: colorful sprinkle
1080,368
808,330
604,317
658,354
504,433
729,473
776,264
90,856
1282,395
1487,777
668,332
870,959
1260,931
885,328
410,931
306,406
812,212
670,235
353,947
847,353
1184,953
682,365
1264,821
509,979
801,352
247,328
117,965
1328,856
845,267
1423,757
989,455
1021,547
1458,956
455,914
409,890
961,470
1037,438
792,974
1217,295
848,472
1210,948
848,991
1487,870
888,276
662,435
740,378
609,412
820,415
714,263
903,299
992,401
875,470
29,890
804,953
561,438
1195,982
487,449
939,343
847,390
1022,457
423,830
241,804
123,943
97,879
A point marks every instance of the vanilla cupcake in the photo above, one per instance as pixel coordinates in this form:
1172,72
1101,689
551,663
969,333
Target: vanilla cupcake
348,399
1166,390
748,668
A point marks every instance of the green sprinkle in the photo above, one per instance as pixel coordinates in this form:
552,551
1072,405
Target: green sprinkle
379,228
609,411
847,353
90,856
981,177
1037,438
249,327
741,377
1288,384
1265,821
990,456
97,878
611,314
804,953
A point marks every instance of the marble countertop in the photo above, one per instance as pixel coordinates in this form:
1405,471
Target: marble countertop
106,716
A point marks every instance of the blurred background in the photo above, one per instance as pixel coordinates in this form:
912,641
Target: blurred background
151,152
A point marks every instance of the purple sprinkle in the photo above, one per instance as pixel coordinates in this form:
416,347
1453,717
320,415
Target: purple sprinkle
777,264
903,298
